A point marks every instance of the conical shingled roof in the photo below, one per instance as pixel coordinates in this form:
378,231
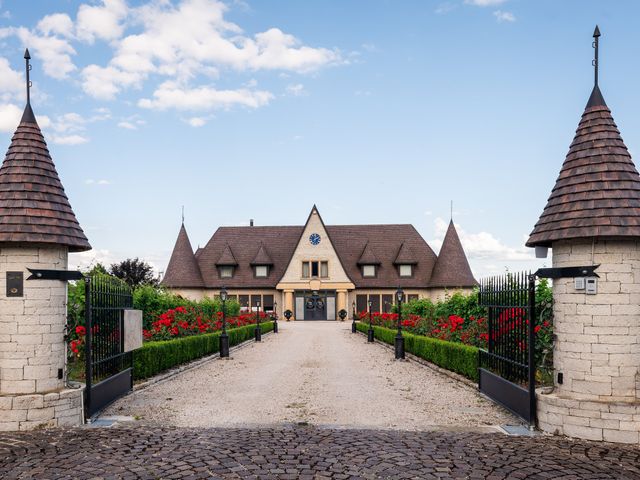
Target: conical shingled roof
452,268
262,257
368,257
33,205
405,256
597,193
183,270
227,258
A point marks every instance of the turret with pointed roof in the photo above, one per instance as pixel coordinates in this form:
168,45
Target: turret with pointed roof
597,193
33,205
452,268
183,270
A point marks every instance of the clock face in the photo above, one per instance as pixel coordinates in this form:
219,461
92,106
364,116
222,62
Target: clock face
314,239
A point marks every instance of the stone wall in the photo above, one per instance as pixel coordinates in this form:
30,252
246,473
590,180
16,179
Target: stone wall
597,347
32,346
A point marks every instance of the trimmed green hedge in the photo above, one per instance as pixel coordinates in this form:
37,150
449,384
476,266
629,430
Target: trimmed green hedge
156,357
457,357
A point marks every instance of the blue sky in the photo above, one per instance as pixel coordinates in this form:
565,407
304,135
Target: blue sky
376,111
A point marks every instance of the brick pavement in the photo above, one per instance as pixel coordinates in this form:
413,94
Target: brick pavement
305,452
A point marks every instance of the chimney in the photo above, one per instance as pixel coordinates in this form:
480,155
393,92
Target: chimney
251,222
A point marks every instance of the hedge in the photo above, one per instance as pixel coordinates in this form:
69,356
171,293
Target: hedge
457,357
155,357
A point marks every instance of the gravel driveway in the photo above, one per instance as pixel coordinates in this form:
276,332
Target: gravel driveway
314,372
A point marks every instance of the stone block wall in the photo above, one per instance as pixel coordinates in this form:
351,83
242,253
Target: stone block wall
597,347
32,346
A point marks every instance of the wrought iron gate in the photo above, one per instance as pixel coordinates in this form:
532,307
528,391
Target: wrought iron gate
109,369
507,367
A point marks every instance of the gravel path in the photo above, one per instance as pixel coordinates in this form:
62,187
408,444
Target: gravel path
314,372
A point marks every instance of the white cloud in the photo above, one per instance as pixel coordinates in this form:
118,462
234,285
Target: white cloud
54,52
482,245
127,125
165,47
69,139
12,83
197,121
504,16
445,8
91,181
297,90
170,95
104,22
485,3
56,24
9,117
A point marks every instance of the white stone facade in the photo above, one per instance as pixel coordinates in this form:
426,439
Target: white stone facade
32,346
597,347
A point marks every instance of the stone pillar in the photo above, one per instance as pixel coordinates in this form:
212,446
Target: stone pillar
32,346
288,302
597,347
342,300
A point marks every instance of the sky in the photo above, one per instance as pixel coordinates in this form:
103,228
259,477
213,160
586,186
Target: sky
377,111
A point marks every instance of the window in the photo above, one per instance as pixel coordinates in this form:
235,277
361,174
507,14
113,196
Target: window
368,270
387,302
361,303
244,301
268,303
262,271
314,269
412,297
254,301
226,271
406,270
324,269
305,269
375,303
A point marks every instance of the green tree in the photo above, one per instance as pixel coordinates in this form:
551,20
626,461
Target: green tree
134,272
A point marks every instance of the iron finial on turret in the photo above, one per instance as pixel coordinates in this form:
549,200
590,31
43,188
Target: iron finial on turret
596,36
27,57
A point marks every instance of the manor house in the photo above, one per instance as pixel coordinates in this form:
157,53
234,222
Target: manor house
316,270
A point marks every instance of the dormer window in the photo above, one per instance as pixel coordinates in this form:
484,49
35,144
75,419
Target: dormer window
369,271
226,271
405,270
262,271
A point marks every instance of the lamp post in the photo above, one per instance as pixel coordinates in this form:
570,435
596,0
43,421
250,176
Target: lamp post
275,317
370,331
258,330
224,338
353,319
399,341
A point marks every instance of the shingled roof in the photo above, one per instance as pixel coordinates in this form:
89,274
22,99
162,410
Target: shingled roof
33,205
183,270
227,258
597,193
262,257
452,268
368,257
405,256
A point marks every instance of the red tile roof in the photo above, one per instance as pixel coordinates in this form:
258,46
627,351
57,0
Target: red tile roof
183,270
33,205
597,193
452,268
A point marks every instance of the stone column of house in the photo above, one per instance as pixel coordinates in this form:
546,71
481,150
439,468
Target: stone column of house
342,300
288,302
593,218
37,232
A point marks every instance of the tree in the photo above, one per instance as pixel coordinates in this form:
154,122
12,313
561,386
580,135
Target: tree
134,272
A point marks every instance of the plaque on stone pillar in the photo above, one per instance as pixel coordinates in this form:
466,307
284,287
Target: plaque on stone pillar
132,329
15,284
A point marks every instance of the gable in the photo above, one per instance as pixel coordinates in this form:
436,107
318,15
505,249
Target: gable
322,251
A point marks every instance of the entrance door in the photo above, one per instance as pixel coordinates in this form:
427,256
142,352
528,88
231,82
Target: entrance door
315,307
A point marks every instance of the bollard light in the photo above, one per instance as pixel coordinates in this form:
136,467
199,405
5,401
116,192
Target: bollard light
399,340
370,331
258,330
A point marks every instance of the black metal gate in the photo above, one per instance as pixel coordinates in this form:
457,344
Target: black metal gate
507,367
109,369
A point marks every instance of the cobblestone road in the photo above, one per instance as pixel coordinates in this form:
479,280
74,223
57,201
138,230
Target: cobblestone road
305,453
